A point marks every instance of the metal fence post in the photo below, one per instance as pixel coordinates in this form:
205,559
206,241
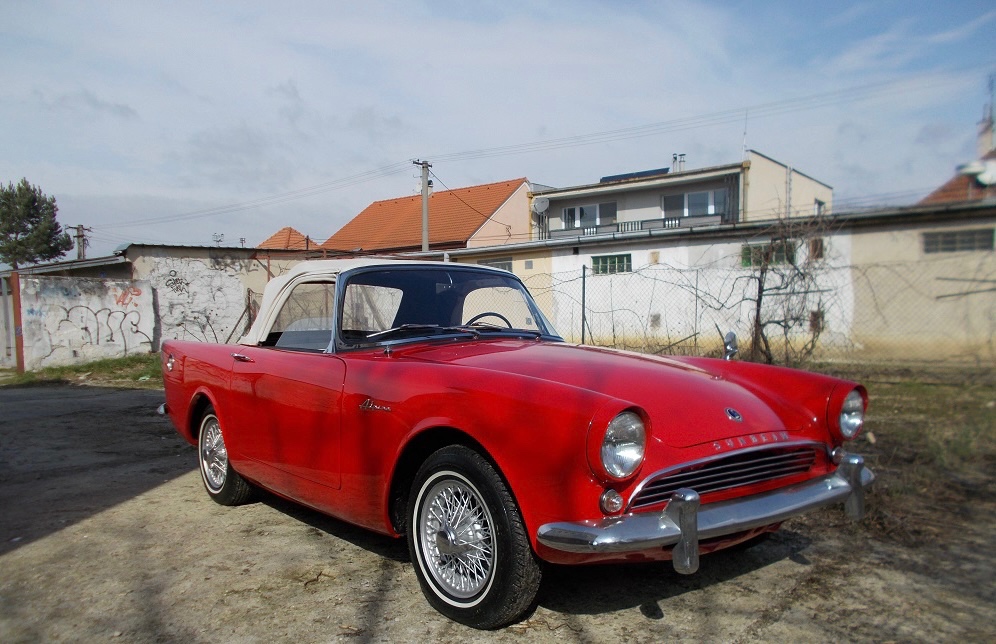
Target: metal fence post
584,303
15,289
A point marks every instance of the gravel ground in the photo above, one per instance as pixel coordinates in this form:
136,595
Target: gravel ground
106,533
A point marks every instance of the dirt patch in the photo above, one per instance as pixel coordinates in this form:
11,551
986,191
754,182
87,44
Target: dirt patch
107,533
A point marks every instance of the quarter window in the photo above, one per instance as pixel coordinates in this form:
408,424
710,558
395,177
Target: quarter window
305,320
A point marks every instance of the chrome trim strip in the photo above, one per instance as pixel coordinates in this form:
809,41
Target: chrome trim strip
668,471
688,523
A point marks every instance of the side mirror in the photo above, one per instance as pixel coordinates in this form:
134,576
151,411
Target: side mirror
730,346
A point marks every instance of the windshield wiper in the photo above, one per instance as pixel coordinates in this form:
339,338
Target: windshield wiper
405,328
487,327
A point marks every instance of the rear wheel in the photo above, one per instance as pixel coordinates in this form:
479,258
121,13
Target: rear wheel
223,484
468,542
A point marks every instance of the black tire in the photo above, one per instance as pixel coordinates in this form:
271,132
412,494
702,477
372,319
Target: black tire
480,572
223,484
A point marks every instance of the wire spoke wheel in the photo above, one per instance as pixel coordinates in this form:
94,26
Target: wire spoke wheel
222,483
214,456
468,542
457,538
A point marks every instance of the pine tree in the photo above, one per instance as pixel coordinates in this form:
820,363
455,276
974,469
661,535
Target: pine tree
29,232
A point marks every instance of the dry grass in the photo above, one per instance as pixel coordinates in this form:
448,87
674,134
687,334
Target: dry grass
137,371
930,436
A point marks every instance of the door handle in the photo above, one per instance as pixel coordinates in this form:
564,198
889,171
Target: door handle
241,357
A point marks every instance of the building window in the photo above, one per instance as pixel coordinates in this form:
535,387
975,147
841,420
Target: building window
673,206
590,215
610,264
819,208
694,204
779,252
697,204
959,241
504,263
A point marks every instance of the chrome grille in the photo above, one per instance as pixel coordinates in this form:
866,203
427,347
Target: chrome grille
735,470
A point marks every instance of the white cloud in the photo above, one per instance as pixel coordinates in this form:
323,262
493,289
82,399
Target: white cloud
187,106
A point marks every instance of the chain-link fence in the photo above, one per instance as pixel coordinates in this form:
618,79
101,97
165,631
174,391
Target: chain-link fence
915,311
925,311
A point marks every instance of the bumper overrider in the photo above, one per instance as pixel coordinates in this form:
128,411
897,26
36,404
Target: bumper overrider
684,522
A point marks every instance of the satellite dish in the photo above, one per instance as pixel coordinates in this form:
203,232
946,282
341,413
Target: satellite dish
973,168
540,204
983,171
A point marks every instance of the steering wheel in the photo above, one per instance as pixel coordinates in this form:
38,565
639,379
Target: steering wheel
487,314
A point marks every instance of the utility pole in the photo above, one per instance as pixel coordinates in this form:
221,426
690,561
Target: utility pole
425,203
81,241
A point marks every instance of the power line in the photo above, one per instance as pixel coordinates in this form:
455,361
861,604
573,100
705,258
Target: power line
271,200
763,110
775,108
508,228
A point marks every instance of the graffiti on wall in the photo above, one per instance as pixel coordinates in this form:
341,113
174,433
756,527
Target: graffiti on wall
69,320
207,299
199,299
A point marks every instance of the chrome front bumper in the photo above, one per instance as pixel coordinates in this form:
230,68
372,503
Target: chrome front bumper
683,523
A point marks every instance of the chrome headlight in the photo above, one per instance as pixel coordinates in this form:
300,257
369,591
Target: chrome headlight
852,414
624,445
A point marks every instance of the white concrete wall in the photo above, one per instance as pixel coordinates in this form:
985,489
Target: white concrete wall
7,358
203,296
683,293
70,320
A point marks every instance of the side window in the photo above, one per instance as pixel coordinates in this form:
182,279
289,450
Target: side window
484,303
367,309
305,319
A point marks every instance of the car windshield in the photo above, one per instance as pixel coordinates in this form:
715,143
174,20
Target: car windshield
392,304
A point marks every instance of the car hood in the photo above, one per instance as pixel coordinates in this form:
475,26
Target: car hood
688,405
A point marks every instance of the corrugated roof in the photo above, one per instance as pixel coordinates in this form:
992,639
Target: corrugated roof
396,224
288,239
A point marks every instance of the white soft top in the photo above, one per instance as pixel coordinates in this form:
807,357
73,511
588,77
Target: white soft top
324,269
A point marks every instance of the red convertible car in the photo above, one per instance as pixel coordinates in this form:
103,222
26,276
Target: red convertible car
434,402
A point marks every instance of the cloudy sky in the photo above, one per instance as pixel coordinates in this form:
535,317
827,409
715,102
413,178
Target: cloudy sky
173,122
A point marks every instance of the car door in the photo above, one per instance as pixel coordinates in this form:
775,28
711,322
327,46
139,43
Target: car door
286,398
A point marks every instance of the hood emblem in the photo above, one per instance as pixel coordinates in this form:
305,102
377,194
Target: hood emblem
734,415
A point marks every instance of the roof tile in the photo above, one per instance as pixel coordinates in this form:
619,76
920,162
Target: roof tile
396,224
288,239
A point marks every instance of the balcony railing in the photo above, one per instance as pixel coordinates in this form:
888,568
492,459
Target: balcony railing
634,226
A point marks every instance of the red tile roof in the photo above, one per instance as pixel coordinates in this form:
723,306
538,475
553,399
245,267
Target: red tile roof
396,224
288,239
962,187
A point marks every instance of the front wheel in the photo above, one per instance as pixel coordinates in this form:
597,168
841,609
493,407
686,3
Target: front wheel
468,543
223,484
